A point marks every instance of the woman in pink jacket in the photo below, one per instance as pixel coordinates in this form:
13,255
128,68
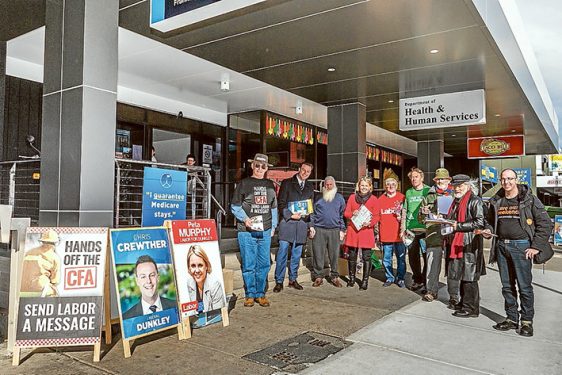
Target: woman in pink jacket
361,237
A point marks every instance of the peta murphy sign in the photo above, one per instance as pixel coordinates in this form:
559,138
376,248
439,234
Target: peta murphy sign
167,15
445,110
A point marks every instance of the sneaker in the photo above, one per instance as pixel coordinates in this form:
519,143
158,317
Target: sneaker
429,297
337,283
248,302
263,301
387,283
401,284
506,325
317,282
526,329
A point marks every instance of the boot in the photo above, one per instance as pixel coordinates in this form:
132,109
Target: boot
352,267
366,274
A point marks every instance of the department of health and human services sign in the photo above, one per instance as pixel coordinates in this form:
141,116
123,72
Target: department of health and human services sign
167,15
444,110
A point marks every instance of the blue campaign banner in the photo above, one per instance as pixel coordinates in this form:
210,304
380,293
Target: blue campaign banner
523,175
145,280
558,229
488,173
164,193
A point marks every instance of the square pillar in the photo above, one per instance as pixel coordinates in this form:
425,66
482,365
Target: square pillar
430,158
347,135
79,113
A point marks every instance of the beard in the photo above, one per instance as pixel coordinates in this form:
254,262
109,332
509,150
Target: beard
329,195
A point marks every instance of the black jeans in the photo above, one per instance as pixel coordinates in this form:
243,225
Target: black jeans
515,268
470,296
414,259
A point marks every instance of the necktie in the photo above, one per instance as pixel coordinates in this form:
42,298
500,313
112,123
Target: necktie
302,185
153,308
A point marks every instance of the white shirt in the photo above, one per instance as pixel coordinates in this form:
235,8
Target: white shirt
146,306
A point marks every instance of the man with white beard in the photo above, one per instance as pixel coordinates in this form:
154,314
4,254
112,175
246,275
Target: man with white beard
327,228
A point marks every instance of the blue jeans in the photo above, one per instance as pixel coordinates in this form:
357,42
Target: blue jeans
256,261
399,249
281,262
514,267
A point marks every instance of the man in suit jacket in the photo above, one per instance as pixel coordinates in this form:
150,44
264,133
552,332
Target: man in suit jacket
293,226
146,276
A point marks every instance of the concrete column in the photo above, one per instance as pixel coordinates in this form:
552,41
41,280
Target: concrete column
3,55
430,158
346,142
79,113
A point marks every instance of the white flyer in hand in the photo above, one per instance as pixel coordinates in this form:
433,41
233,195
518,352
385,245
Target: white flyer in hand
257,223
362,216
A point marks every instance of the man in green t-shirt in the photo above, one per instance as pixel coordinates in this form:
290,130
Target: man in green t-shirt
414,197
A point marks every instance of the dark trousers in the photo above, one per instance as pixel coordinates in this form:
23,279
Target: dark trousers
516,269
414,258
365,254
470,296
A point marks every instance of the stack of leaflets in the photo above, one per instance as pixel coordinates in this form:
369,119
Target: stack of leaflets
257,223
361,217
444,203
303,207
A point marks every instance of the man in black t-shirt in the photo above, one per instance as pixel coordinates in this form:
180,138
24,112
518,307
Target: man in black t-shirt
254,205
522,228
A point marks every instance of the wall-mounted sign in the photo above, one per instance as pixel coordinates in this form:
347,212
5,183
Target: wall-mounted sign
555,162
207,154
523,176
495,147
167,15
444,110
549,181
489,174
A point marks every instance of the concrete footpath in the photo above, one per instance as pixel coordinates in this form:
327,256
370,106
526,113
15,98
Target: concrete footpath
388,331
424,338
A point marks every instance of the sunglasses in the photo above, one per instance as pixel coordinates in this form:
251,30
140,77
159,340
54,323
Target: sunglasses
260,165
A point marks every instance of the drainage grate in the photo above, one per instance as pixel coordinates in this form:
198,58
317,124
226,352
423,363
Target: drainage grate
299,352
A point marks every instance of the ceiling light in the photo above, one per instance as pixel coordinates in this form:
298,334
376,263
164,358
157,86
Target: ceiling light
513,130
331,69
391,101
497,115
453,135
225,82
434,51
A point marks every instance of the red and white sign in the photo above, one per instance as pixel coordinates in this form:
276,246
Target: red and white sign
495,147
197,266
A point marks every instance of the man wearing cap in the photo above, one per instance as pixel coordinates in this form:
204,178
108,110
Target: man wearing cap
41,268
295,192
436,205
522,227
414,197
466,255
254,205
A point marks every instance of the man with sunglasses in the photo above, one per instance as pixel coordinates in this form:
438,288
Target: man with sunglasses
254,205
522,229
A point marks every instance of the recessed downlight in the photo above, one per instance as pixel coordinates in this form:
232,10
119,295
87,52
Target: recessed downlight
331,69
497,115
453,135
434,51
391,101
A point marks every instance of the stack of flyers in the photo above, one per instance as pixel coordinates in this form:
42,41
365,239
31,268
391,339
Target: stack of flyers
303,207
257,223
361,217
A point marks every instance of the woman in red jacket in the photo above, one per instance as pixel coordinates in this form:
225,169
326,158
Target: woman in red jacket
360,235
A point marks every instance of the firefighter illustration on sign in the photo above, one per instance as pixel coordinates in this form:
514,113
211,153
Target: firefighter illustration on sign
41,265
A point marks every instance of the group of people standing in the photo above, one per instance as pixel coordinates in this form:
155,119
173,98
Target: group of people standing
445,221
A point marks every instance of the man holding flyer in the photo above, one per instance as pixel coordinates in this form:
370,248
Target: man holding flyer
254,205
295,205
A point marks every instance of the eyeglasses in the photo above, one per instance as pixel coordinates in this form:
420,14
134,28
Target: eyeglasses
508,179
260,165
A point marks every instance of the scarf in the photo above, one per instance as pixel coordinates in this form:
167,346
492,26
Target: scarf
362,199
458,240
447,191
